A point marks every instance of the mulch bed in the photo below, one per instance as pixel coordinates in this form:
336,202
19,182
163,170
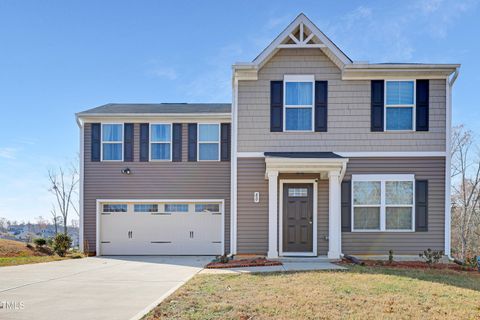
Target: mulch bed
241,263
412,265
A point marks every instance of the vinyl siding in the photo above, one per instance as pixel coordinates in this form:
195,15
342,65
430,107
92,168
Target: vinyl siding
252,217
152,180
348,112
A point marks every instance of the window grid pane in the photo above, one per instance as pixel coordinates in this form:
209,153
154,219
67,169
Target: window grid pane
160,133
176,207
398,218
112,132
366,218
298,93
399,118
145,208
208,151
297,192
207,207
160,151
208,132
114,208
112,151
298,119
366,192
399,192
400,92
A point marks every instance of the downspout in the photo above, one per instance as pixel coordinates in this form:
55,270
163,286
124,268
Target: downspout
233,177
80,187
448,164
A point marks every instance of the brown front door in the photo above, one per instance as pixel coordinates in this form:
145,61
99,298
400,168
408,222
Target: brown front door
297,217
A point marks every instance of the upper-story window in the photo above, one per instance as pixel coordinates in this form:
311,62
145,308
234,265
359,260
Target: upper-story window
298,102
400,105
161,141
112,142
208,142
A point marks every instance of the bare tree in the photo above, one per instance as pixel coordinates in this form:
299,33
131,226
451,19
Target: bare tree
466,192
63,187
55,218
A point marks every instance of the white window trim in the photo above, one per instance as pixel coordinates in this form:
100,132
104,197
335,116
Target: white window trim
111,142
150,141
217,142
414,120
298,78
382,179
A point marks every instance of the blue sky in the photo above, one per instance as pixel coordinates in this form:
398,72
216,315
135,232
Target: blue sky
61,57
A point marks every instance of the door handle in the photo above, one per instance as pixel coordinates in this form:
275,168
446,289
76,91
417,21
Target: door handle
310,222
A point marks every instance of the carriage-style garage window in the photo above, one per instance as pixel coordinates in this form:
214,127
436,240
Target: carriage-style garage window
161,141
114,207
207,207
208,142
145,208
112,142
400,105
383,202
298,102
176,207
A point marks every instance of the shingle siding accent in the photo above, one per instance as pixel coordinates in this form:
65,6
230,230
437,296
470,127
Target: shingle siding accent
152,180
348,112
253,217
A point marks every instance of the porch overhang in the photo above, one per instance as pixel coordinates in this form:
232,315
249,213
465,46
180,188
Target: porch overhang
305,162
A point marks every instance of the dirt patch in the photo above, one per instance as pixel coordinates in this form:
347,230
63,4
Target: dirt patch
256,262
412,265
11,248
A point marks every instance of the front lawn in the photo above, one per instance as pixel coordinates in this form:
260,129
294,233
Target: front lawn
359,293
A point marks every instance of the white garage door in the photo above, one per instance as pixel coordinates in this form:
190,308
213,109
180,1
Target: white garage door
161,228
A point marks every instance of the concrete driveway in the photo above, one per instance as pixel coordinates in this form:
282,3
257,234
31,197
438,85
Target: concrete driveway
92,288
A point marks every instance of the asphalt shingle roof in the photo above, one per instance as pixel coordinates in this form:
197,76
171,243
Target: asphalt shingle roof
158,108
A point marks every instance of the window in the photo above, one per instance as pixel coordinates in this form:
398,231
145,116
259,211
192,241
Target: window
383,202
145,208
160,141
207,207
298,102
209,142
297,192
400,105
114,208
176,207
112,142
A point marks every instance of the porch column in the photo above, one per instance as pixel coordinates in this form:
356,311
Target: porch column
272,214
334,215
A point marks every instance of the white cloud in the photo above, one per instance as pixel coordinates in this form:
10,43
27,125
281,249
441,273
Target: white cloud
8,153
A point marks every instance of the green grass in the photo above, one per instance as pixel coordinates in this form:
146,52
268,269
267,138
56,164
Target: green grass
359,293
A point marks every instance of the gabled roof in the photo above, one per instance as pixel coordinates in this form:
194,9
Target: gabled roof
157,108
301,33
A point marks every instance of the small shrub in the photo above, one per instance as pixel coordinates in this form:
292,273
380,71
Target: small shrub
222,259
29,246
471,262
39,242
50,242
390,256
431,256
61,244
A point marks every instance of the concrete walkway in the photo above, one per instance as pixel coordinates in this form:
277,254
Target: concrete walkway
92,288
287,266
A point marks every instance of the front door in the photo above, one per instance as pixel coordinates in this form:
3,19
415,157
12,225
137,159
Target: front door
297,217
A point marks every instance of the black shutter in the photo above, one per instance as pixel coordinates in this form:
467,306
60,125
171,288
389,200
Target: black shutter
177,142
377,107
192,142
276,106
421,205
128,142
144,141
422,101
321,106
346,201
225,142
95,142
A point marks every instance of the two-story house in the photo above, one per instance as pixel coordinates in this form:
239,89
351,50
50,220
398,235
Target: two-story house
316,155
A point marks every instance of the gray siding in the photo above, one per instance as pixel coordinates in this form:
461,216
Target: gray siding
152,180
348,112
253,217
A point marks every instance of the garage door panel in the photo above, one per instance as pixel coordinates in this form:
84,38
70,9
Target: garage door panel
180,233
